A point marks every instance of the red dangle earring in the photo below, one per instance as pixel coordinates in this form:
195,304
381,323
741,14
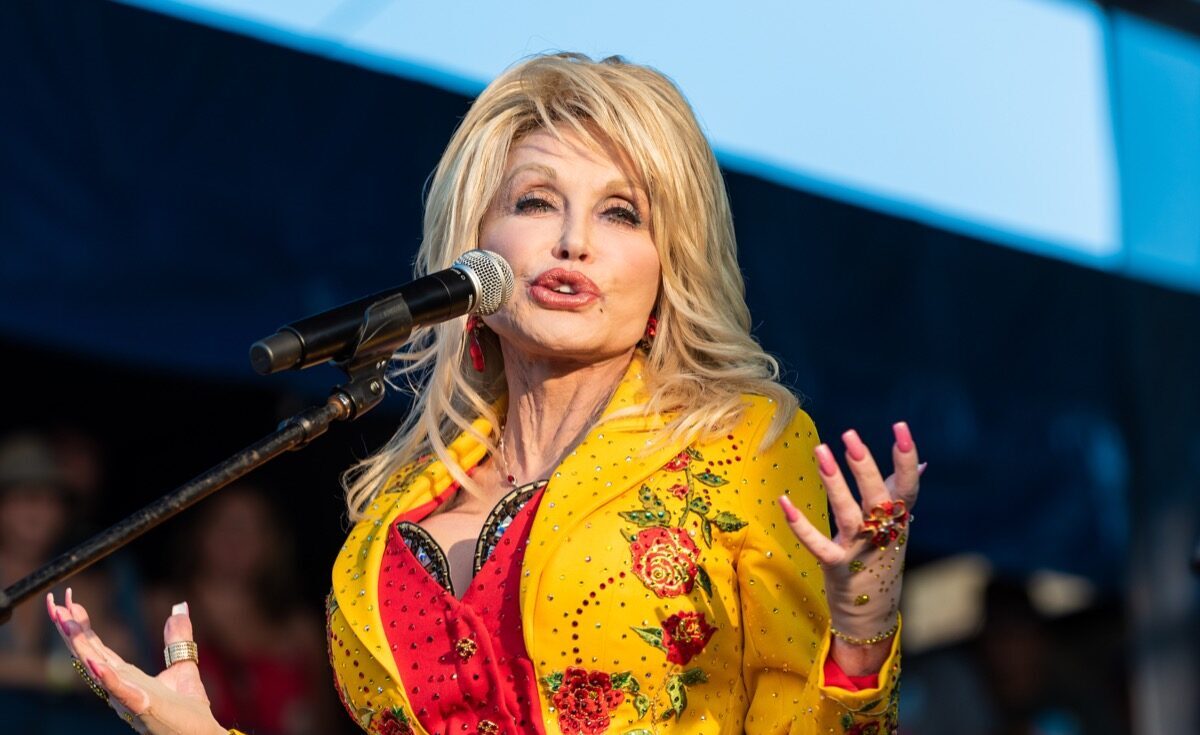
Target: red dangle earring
474,324
651,330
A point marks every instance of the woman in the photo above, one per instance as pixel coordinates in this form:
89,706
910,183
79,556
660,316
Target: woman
652,584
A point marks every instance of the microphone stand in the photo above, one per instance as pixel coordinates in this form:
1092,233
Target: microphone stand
361,393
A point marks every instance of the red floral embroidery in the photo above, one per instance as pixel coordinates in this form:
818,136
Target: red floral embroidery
394,722
864,728
681,460
679,490
584,701
685,635
665,560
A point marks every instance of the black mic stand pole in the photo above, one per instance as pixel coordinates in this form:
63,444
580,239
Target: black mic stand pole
349,401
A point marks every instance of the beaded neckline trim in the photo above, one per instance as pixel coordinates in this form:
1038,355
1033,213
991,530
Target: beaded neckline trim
430,555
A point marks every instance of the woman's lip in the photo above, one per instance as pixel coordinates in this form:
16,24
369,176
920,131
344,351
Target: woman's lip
556,277
551,299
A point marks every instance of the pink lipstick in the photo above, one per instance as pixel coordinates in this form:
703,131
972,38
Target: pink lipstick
559,288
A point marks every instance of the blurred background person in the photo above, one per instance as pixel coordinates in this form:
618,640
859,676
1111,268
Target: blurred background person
264,661
39,692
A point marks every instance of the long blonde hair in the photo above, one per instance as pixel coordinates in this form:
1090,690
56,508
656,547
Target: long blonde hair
703,358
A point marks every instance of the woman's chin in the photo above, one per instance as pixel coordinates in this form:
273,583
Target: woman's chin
574,349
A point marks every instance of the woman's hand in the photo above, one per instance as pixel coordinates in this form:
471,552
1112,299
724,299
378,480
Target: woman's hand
864,562
172,703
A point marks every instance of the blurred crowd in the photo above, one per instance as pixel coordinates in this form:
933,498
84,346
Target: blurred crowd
263,650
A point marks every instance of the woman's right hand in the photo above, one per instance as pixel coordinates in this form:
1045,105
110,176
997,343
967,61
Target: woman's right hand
172,703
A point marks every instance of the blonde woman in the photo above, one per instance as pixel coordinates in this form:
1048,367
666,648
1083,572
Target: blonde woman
605,515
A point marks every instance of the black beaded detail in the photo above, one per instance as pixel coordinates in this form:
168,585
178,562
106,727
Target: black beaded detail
432,557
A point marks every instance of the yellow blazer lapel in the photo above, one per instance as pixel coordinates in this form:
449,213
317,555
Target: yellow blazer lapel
356,570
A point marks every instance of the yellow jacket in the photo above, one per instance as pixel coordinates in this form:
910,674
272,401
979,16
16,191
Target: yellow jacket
715,621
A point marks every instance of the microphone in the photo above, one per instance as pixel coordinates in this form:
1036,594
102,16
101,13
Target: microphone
479,282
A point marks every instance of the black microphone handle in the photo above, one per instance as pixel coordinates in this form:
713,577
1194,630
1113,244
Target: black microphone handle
337,334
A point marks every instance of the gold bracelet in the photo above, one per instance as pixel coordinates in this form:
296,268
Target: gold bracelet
880,638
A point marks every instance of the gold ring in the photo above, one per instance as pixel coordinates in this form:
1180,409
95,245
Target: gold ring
181,651
89,679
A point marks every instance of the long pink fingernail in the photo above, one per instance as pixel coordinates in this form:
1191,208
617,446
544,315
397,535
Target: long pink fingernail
904,440
921,468
825,460
789,510
854,446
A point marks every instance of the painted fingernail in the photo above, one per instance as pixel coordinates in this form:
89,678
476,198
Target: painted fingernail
921,467
904,441
854,446
180,609
789,510
70,600
825,460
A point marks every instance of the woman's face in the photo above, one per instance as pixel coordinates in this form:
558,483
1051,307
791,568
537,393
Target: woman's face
575,228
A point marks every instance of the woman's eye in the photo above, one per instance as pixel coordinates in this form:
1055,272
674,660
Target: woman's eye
624,213
533,204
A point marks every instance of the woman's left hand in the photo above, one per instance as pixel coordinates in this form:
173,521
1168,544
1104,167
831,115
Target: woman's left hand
864,562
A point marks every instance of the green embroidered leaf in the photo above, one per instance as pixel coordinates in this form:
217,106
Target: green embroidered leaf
553,681
641,703
666,715
693,676
646,518
699,505
365,715
710,479
677,693
847,721
621,680
653,636
650,500
694,454
728,522
704,580
870,705
706,530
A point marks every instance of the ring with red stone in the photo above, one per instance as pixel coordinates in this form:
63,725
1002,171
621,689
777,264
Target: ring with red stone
885,523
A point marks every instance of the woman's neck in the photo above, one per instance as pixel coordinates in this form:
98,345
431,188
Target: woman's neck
551,407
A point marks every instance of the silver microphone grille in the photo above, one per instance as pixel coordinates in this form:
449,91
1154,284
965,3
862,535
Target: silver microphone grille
493,277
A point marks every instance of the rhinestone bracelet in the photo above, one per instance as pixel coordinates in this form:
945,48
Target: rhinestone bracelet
880,638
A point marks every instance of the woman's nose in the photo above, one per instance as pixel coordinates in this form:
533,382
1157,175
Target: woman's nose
574,243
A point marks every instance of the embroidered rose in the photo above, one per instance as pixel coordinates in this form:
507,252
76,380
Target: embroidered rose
864,728
678,462
665,560
584,700
394,722
685,635
679,490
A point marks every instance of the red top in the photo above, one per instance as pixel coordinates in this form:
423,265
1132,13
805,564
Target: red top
463,662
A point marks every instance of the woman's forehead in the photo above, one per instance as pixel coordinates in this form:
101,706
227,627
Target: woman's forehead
545,153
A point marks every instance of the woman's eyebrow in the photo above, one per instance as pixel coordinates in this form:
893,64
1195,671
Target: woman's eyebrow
538,167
